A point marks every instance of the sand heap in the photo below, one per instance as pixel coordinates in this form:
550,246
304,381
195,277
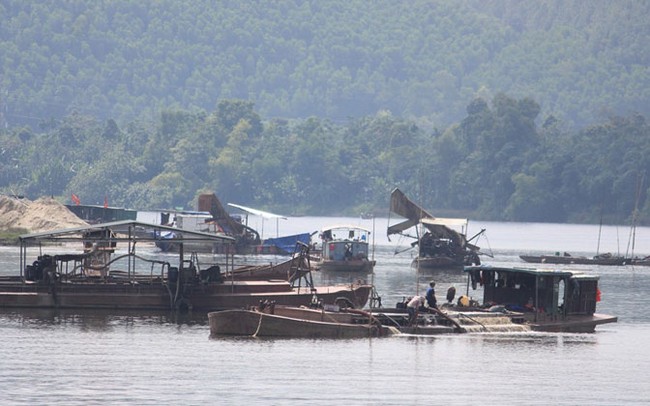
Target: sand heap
43,214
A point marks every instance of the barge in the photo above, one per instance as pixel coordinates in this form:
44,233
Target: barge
99,277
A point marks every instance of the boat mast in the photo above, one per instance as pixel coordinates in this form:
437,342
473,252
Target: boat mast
418,233
373,239
632,239
600,228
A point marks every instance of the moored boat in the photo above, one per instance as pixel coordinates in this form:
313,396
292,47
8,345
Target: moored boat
99,278
645,261
345,248
566,258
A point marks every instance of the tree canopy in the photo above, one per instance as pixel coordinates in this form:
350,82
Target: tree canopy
495,164
497,109
424,60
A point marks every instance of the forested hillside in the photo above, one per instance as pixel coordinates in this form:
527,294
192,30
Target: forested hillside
582,61
498,110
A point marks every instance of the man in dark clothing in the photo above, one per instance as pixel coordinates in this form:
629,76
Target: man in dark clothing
431,295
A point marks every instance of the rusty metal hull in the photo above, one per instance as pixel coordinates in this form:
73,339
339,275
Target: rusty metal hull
160,296
573,324
254,323
361,266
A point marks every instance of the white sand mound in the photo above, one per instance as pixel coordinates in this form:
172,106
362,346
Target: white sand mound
43,214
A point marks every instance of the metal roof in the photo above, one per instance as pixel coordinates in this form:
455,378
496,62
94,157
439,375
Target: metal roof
344,227
534,271
130,229
449,222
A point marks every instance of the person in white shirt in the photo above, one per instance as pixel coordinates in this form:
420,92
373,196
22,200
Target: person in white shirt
413,306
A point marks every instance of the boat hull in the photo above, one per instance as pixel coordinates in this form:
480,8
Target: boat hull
557,259
286,270
573,324
258,324
362,266
273,246
159,296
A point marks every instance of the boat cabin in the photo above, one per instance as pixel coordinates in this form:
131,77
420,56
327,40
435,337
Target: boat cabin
344,243
544,292
98,259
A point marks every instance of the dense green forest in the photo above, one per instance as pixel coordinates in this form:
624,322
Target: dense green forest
498,110
495,164
424,60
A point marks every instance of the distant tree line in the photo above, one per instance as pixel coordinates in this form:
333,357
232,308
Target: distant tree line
494,164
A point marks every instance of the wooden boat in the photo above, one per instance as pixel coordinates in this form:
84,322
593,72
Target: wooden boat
93,278
296,322
603,259
441,246
345,249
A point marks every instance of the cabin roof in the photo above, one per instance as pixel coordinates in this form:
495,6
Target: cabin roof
344,227
197,215
134,230
534,271
449,222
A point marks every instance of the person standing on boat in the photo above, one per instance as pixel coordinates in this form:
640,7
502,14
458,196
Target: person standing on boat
413,306
431,295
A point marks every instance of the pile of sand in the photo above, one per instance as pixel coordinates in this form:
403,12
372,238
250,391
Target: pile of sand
43,214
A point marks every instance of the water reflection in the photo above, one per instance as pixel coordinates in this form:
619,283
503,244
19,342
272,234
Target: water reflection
539,340
512,340
97,320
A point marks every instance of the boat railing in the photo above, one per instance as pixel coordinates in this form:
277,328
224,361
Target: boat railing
102,272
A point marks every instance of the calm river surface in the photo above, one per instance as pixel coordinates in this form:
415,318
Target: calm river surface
68,358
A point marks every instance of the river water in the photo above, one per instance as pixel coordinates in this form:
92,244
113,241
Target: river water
68,358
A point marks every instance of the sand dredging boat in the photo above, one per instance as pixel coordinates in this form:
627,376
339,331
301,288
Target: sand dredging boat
514,300
97,275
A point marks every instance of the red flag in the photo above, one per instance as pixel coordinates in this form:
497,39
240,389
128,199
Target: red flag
75,199
105,202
